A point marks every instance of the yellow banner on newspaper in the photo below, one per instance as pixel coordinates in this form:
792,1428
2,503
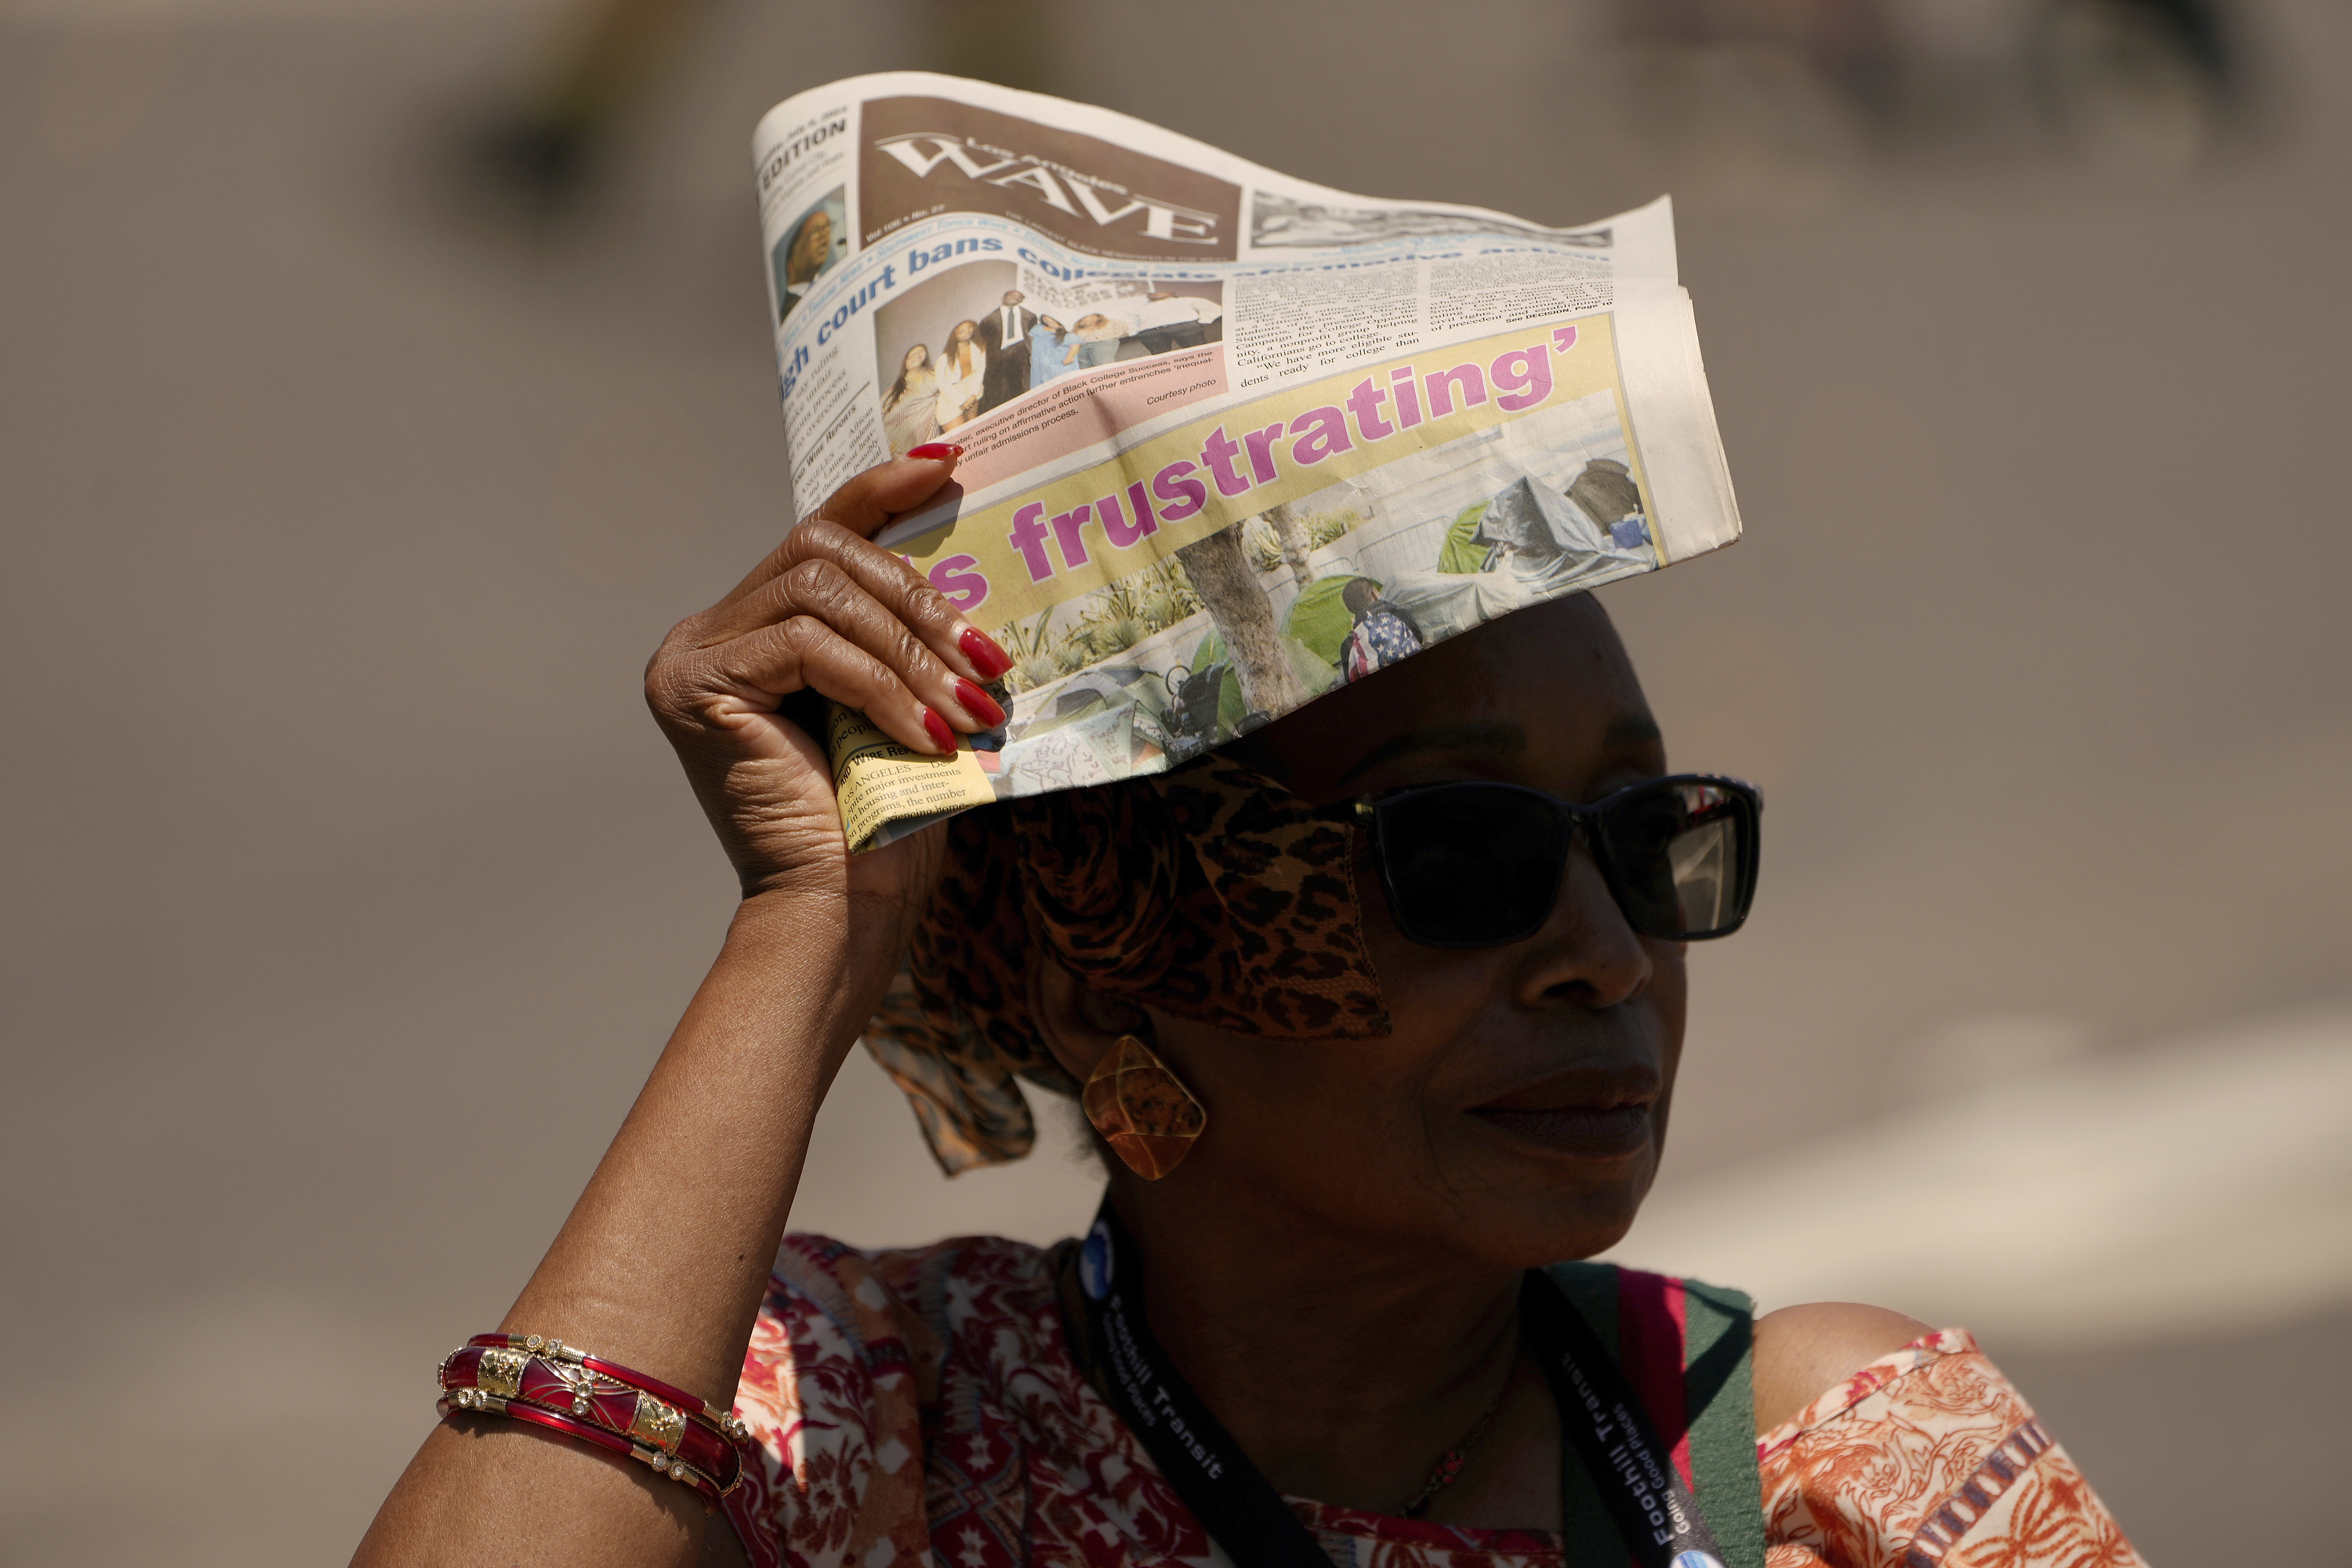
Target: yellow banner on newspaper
1082,531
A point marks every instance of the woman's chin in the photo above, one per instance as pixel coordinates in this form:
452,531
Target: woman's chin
1560,1190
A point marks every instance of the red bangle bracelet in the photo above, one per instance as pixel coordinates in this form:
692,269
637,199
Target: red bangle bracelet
620,1419
566,1395
556,1350
470,1400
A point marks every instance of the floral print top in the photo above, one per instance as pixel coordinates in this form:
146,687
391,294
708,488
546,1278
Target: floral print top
923,1408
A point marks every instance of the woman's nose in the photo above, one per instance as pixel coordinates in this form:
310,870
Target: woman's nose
1587,953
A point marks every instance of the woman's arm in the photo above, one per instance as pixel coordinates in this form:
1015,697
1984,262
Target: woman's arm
663,1261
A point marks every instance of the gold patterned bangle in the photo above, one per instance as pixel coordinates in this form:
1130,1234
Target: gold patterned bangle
725,1422
655,1424
662,1463
534,1379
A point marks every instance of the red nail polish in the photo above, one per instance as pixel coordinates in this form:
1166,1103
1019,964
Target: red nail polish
937,451
979,703
986,656
937,729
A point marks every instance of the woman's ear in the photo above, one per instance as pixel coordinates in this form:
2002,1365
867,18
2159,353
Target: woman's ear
1077,1023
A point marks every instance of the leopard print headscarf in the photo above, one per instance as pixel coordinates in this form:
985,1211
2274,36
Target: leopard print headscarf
1210,892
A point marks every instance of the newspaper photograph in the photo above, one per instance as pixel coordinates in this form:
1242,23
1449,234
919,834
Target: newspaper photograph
1231,439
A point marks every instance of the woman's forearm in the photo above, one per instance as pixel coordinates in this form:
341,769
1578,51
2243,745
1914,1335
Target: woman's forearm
666,1252
663,1261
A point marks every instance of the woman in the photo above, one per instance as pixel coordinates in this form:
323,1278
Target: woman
910,409
963,368
1352,1107
1049,356
1094,341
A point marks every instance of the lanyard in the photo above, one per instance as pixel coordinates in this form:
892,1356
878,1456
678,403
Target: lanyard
1598,1417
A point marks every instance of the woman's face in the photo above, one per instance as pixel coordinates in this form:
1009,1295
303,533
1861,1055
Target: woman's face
962,334
917,358
1050,324
1516,1111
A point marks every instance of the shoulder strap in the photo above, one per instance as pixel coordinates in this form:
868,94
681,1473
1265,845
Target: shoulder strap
1657,1327
1718,1351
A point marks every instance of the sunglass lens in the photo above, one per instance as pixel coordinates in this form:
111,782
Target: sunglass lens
1471,864
1682,858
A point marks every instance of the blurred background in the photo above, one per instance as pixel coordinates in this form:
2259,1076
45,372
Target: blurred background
383,377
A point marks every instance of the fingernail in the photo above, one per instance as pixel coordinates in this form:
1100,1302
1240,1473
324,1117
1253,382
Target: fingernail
986,656
979,703
937,452
937,729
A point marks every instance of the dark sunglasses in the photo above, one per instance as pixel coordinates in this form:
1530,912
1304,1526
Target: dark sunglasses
1479,865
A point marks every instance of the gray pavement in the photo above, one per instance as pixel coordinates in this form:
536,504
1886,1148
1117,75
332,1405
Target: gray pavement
351,891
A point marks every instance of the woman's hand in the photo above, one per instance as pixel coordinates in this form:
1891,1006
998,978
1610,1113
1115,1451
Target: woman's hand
828,615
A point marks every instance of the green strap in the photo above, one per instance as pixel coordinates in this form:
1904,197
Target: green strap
1717,1394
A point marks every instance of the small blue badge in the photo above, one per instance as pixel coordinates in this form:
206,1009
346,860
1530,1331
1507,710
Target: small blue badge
1695,1560
1094,1263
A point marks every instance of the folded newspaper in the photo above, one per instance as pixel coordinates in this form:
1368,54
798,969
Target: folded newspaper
1231,440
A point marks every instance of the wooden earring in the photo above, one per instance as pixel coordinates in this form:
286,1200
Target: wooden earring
1142,1109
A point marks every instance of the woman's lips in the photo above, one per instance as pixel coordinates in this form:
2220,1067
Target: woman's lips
1614,1132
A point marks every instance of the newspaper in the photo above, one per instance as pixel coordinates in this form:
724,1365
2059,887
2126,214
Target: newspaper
1231,439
